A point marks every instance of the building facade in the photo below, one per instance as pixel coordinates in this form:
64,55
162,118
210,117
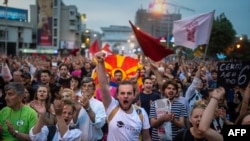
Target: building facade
156,25
15,31
57,27
120,38
52,26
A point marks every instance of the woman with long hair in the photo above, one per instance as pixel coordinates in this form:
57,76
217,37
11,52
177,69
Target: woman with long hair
28,95
43,96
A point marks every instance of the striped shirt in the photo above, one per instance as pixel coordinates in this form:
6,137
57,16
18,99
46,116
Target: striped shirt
178,109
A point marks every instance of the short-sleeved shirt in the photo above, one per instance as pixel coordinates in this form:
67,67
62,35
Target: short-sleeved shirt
177,108
22,120
124,126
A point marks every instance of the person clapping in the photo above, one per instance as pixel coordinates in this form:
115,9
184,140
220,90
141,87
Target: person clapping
64,111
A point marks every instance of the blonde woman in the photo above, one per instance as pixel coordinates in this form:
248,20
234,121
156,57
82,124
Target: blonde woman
67,93
201,117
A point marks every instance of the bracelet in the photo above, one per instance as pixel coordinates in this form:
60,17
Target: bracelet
215,98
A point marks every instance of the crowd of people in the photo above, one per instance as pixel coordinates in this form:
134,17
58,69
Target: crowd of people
55,98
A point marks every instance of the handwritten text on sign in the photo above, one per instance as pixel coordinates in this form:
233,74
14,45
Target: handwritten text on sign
233,73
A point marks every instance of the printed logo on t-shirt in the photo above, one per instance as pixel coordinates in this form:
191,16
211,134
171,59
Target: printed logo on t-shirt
120,124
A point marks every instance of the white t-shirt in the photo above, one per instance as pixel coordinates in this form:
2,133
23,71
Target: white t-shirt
124,126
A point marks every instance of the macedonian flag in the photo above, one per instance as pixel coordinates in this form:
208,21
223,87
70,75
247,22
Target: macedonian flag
126,64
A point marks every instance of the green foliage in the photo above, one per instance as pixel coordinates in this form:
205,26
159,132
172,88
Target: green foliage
222,35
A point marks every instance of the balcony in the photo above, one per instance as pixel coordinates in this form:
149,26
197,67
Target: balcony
72,15
72,27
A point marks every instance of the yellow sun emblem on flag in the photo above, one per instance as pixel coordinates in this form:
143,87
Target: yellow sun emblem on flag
126,64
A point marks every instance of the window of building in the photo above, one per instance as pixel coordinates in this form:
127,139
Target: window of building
55,22
71,13
3,35
55,42
55,32
55,3
72,23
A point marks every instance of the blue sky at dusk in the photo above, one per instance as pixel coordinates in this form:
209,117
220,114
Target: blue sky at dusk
103,13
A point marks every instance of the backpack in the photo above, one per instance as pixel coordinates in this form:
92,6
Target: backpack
115,110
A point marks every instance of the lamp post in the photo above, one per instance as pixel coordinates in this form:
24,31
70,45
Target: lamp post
123,48
5,28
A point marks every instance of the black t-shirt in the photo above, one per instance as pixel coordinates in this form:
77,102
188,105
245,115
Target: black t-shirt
146,99
186,135
65,83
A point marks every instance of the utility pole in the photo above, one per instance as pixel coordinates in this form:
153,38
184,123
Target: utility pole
5,29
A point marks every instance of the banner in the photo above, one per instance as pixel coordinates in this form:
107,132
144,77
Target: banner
44,22
232,74
193,31
67,45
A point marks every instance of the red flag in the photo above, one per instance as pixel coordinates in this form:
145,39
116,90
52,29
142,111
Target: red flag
94,48
151,46
107,49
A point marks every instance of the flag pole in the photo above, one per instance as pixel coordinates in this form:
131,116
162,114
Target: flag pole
211,25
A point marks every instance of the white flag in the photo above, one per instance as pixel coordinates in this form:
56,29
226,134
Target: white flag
193,31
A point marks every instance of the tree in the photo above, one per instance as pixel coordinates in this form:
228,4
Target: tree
222,36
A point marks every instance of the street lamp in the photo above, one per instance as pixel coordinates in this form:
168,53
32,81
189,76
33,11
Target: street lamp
238,46
123,48
5,29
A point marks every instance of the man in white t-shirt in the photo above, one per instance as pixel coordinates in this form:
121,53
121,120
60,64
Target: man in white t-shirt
126,124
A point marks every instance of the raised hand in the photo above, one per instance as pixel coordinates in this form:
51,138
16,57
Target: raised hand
77,100
218,93
39,107
153,65
84,101
100,56
58,106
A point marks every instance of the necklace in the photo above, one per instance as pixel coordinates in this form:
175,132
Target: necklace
19,121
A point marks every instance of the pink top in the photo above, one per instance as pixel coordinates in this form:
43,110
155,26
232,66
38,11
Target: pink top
98,95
